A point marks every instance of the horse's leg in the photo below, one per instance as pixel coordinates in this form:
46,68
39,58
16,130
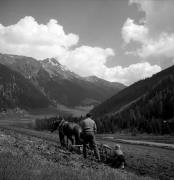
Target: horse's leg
80,139
67,142
63,141
76,135
77,139
71,139
61,137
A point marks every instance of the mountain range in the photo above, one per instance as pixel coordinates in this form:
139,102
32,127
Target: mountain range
145,105
54,83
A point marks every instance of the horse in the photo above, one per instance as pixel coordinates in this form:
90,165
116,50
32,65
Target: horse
69,130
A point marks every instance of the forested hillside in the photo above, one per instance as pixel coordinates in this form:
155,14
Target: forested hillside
16,91
152,113
130,94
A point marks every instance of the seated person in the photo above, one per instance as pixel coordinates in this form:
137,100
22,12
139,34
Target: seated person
117,157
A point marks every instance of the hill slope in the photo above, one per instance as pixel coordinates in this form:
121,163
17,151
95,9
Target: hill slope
130,94
16,91
153,112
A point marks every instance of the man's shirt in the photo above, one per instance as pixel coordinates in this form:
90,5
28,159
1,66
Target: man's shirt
88,125
116,152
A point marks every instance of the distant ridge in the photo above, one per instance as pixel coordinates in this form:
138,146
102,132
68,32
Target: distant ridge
58,84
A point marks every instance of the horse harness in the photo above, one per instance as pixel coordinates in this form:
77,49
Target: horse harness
61,125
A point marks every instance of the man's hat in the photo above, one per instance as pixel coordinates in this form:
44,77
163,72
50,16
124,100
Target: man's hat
117,146
88,115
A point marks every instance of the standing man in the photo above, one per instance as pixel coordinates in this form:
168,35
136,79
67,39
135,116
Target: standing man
89,129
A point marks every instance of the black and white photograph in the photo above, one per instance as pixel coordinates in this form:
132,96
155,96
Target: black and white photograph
87,90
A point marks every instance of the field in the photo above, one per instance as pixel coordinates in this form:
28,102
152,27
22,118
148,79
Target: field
168,139
142,160
152,161
26,157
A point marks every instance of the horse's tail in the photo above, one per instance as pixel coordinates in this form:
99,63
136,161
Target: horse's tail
78,130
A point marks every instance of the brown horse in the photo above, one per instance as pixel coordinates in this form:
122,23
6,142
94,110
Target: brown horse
67,129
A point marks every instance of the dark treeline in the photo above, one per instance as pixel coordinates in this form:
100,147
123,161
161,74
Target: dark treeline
152,113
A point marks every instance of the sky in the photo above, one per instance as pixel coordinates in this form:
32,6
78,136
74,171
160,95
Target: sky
117,40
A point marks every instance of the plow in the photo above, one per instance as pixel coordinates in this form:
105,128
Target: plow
106,152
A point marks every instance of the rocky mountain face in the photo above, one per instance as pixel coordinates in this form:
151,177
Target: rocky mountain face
58,84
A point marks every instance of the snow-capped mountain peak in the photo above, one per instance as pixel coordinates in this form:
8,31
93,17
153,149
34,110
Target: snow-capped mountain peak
55,69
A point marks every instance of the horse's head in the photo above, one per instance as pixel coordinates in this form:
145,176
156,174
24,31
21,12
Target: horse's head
56,123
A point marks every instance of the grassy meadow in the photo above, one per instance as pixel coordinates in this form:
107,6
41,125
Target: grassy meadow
30,158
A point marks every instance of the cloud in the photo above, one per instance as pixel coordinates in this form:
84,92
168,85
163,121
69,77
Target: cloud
87,61
158,14
28,37
132,73
163,46
155,32
134,32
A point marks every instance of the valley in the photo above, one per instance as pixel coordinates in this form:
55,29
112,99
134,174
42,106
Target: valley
54,84
86,75
138,117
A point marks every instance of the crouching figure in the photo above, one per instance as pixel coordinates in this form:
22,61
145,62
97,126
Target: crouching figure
117,158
